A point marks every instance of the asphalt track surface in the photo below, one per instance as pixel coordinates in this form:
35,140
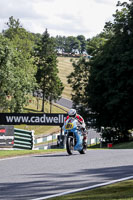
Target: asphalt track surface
32,177
65,102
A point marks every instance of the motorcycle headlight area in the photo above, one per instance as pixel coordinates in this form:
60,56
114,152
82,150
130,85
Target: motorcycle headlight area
68,126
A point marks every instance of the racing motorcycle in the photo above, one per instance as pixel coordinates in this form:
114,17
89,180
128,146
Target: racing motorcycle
74,137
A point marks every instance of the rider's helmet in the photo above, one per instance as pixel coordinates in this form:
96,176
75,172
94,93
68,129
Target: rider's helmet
72,113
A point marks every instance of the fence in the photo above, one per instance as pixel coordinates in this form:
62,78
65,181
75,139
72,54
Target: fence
45,142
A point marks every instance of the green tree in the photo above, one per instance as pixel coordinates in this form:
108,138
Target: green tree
6,72
110,87
47,70
78,80
55,90
21,39
82,40
95,44
60,42
23,69
72,44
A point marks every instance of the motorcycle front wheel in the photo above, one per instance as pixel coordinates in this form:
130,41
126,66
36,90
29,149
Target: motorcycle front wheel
69,145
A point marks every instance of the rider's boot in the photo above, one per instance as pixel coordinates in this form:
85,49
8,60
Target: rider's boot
84,138
78,145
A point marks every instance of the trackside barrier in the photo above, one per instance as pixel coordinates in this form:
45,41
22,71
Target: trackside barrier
94,137
23,139
93,141
45,139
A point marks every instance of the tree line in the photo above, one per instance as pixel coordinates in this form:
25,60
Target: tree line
71,45
103,86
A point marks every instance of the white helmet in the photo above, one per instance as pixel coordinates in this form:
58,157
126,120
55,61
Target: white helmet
72,113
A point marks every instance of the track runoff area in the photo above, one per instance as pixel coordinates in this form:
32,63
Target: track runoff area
85,188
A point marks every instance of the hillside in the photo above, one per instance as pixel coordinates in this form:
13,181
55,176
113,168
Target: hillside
65,68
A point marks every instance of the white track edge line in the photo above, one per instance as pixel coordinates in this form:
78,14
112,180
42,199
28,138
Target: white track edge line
85,188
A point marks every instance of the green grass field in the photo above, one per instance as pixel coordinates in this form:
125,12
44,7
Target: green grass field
65,68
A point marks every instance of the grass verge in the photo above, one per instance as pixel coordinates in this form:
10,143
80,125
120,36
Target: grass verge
15,153
122,191
123,145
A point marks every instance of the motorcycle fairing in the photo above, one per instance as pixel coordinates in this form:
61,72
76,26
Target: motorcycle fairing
71,125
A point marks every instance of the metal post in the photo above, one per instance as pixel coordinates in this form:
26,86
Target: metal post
61,130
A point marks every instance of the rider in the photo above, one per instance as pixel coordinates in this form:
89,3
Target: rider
72,113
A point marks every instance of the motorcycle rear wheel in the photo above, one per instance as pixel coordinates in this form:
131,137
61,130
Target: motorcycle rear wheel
69,146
